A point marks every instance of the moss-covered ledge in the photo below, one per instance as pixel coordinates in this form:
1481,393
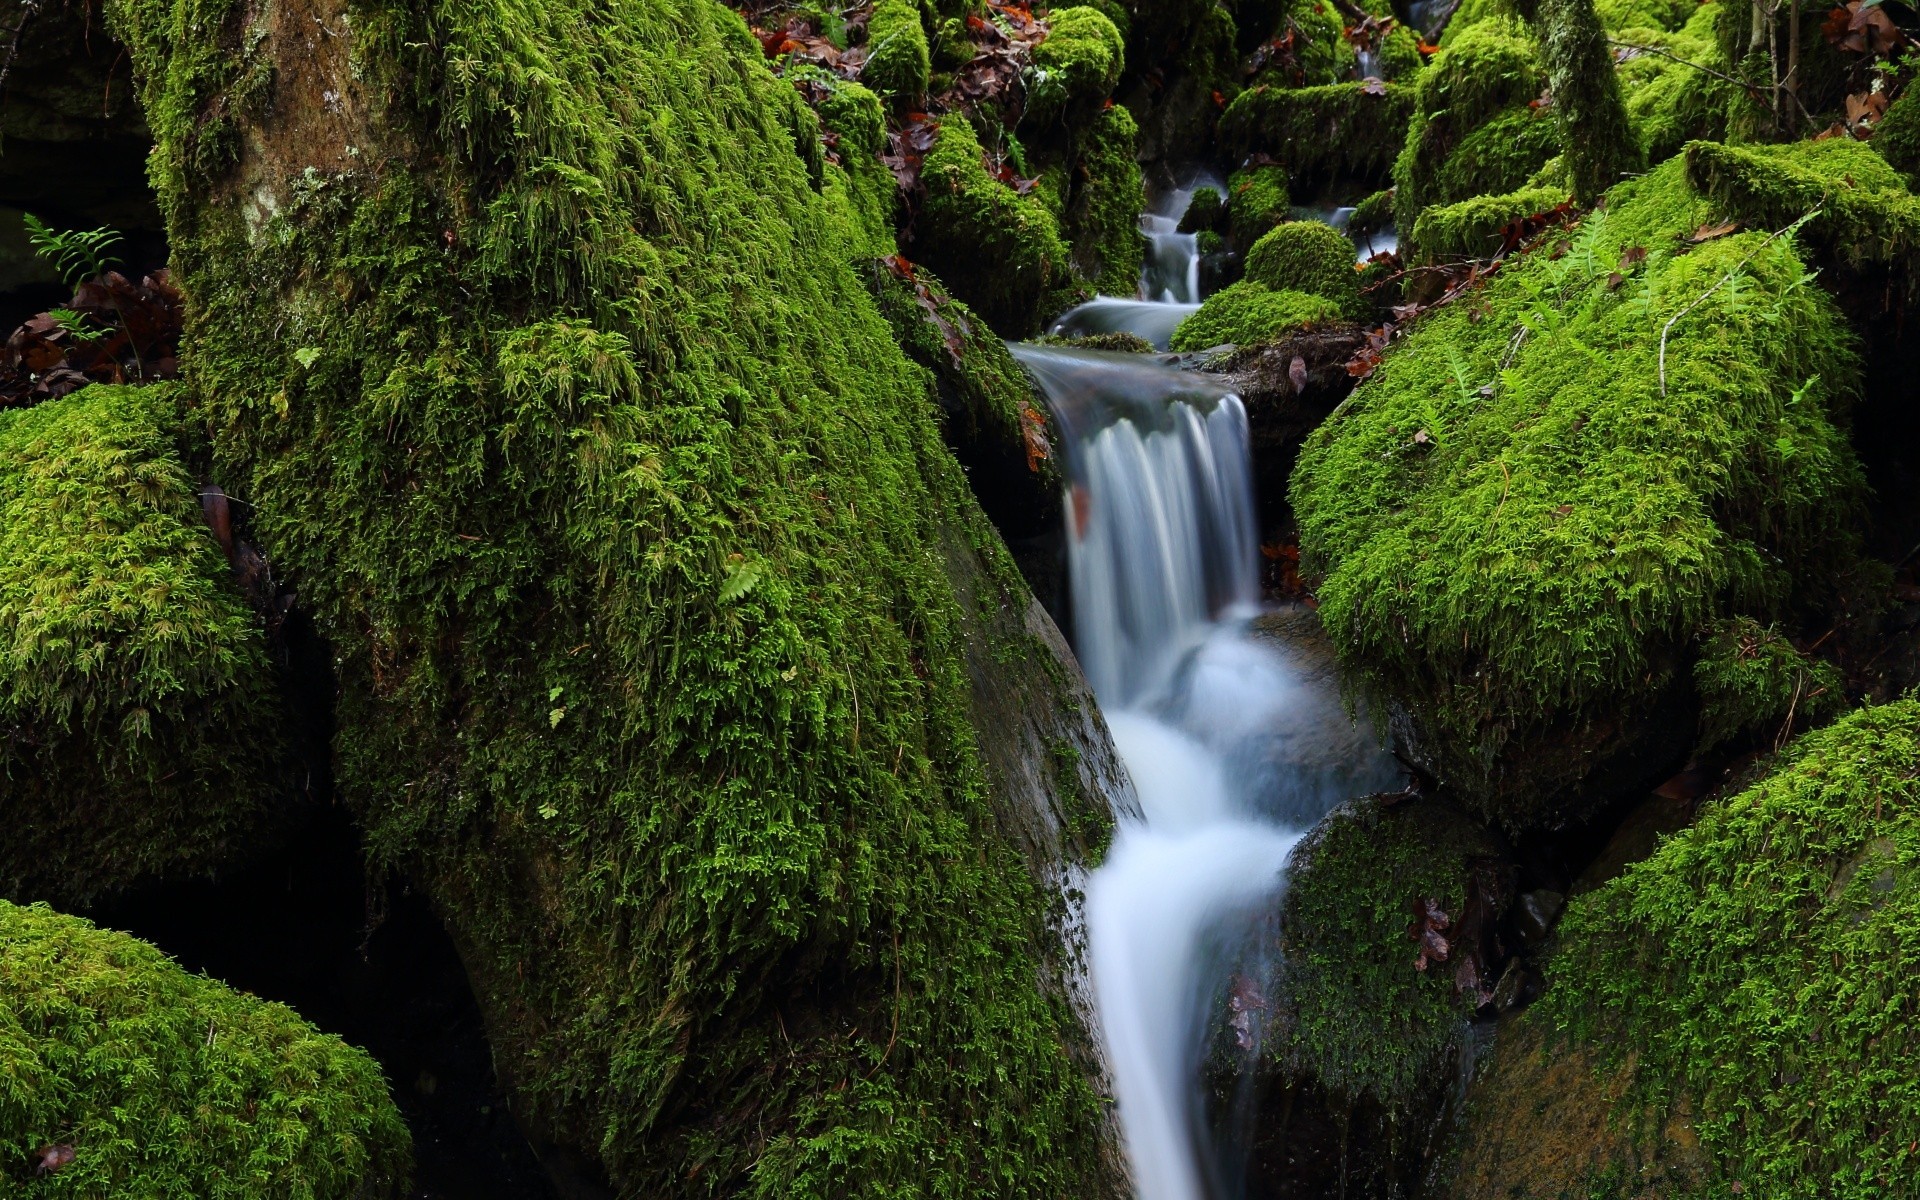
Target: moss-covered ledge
538,350
139,716
149,1081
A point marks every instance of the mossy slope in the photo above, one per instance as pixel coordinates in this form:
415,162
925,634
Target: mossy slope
1521,521
633,533
138,711
170,1084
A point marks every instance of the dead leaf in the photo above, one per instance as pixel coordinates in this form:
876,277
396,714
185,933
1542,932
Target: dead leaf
1427,929
1632,257
51,1159
1708,232
1297,374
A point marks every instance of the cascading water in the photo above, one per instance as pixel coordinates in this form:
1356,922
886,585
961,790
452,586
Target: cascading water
1220,734
1169,278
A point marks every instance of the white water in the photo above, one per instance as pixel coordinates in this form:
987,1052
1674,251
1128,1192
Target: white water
1223,738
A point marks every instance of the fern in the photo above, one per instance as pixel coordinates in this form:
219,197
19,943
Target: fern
77,254
74,325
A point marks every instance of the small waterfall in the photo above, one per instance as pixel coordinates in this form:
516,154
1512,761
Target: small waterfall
1169,278
1223,738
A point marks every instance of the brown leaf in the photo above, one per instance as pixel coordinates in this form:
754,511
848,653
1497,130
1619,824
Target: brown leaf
1427,930
51,1159
1297,374
1632,257
1373,87
1708,232
1614,280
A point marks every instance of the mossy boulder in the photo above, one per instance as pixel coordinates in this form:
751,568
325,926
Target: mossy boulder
1307,256
1103,208
1897,137
139,715
1076,66
858,182
1474,129
1205,211
1857,210
1753,973
676,662
898,60
1619,15
1342,131
1517,526
1249,313
1752,680
1257,200
164,1083
999,251
1669,98
1476,228
1316,38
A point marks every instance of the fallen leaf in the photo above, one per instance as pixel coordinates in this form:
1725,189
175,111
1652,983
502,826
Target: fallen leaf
1427,929
1297,374
1708,232
1632,257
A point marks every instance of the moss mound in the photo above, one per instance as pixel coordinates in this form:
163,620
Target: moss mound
1619,15
1249,313
1752,680
999,251
1339,131
1205,211
1307,256
138,711
1857,209
898,60
1474,130
1257,200
1103,211
1671,102
1897,137
1476,228
632,530
1758,965
1077,66
1354,1011
853,115
170,1084
1519,522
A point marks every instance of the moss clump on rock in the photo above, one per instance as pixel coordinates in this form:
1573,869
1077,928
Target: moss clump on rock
1475,228
1669,98
1856,208
999,251
1756,970
1249,313
1257,200
1205,211
1076,66
1517,525
1307,256
898,61
1354,1012
1474,130
1340,131
165,1083
138,710
1752,680
656,600
1103,213
1618,15
1897,137
853,114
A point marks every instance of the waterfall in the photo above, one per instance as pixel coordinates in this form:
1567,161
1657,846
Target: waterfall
1169,277
1218,730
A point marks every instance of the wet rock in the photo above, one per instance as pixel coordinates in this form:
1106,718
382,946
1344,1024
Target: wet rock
1535,914
1517,987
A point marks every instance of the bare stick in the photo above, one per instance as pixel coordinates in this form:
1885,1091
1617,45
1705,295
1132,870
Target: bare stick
1737,268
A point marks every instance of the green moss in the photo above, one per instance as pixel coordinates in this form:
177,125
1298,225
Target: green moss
1476,12
853,115
1859,207
1751,680
640,553
1373,213
1897,137
1400,56
1307,256
171,1084
999,251
1473,130
1257,200
1122,343
1320,53
1205,210
1669,102
1475,228
1596,136
898,60
1248,313
1516,523
1757,967
1354,1012
1103,216
1077,66
1341,131
1646,14
138,713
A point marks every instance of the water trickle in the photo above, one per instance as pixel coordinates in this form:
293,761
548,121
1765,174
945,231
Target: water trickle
1169,278
1224,739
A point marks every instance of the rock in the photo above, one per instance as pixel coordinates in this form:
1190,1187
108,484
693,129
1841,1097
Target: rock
1535,915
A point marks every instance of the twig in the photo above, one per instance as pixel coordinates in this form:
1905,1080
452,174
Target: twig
1722,76
27,13
1737,268
1432,36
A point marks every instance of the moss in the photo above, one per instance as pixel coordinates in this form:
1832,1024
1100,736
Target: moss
1646,14
999,251
1475,228
171,1084
1319,51
1103,217
1757,967
1123,343
853,115
1205,211
898,60
138,712
632,530
1476,12
1248,313
1076,66
1752,680
1474,131
1257,200
1307,256
1595,134
1373,213
1859,207
1341,131
1354,1012
1897,137
1671,103
1516,523
1400,56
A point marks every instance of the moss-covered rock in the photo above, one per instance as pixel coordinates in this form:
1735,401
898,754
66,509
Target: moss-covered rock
1349,131
1474,129
1753,680
1314,33
163,1083
1856,208
1670,100
1755,971
1205,211
898,59
1103,213
676,663
139,717
1475,228
999,251
1518,524
1307,256
1257,200
1076,66
1249,313
1597,139
1619,15
853,115
1897,137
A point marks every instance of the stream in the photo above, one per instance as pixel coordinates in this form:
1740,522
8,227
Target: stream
1235,751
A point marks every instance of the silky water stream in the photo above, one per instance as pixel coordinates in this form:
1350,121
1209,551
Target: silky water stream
1234,751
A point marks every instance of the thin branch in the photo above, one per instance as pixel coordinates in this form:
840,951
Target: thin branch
1742,84
1737,268
27,12
1432,36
